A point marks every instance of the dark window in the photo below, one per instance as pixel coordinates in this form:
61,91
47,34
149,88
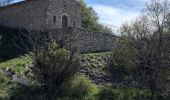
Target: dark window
54,19
65,6
64,21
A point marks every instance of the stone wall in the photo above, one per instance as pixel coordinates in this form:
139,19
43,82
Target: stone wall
30,15
85,40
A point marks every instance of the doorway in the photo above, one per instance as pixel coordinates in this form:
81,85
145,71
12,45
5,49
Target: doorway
64,21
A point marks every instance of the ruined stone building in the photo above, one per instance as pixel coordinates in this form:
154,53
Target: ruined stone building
41,14
45,15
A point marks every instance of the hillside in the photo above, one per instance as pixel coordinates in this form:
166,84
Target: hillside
93,65
89,84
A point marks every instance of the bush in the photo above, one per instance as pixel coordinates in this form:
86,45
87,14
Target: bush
80,88
4,81
53,65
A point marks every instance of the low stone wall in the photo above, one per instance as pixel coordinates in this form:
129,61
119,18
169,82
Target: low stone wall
85,40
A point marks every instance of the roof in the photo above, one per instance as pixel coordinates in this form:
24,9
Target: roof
14,4
23,2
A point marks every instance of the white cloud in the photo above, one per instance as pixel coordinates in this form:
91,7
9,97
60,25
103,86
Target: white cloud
114,16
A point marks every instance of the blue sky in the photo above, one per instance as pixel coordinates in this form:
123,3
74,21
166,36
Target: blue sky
116,12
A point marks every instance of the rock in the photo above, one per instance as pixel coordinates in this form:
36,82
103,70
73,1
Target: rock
23,81
7,69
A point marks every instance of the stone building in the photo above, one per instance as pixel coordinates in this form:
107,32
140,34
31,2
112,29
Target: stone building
41,14
51,16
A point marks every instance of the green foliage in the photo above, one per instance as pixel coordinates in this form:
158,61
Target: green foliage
80,88
77,88
125,54
3,82
90,19
16,65
89,16
4,87
53,65
110,93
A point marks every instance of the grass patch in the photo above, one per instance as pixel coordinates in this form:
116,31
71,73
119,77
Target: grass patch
79,88
16,65
97,62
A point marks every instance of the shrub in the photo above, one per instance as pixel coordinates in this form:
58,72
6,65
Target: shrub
4,81
80,88
53,65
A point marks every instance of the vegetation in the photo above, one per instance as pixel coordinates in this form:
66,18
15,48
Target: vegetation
110,93
90,19
79,88
17,65
3,86
96,62
53,65
142,56
143,46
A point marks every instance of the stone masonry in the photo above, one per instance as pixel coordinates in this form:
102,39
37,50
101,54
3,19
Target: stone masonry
41,14
85,40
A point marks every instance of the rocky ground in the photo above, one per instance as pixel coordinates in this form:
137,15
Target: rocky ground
94,66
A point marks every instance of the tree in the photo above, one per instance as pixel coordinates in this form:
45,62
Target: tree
144,45
90,19
89,16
